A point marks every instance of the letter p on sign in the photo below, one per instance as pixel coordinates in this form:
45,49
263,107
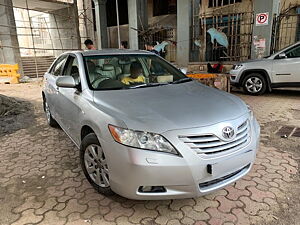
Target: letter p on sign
262,19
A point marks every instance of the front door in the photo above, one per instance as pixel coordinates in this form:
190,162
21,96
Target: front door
287,70
69,100
51,90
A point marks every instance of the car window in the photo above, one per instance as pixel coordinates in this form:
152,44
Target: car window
294,52
129,71
57,68
72,69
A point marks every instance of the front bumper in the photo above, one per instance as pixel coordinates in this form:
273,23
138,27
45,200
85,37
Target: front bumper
235,76
182,177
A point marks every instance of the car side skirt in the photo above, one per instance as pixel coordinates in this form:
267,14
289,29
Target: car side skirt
286,84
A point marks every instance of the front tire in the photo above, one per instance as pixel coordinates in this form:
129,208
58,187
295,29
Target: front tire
94,164
51,122
254,84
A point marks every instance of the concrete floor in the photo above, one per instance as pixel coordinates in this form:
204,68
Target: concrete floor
41,180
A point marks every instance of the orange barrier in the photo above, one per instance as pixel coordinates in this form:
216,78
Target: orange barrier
9,73
202,75
220,81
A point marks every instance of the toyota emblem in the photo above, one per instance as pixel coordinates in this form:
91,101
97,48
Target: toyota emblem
228,132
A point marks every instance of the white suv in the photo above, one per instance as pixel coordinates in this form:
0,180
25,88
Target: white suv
281,69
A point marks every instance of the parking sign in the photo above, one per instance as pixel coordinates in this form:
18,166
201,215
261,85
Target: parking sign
262,19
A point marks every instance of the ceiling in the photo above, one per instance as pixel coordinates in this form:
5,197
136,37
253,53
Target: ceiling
42,5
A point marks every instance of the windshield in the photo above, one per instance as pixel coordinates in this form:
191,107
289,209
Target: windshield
130,71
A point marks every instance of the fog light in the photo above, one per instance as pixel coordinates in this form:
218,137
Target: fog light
152,189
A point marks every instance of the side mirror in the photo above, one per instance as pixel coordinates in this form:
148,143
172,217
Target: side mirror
66,82
183,70
281,56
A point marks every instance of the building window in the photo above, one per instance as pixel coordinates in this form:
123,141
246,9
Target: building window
219,3
164,7
111,13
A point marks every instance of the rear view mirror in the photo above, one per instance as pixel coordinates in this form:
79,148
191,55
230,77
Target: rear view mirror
66,82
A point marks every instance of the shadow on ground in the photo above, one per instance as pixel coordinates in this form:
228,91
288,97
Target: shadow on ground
15,114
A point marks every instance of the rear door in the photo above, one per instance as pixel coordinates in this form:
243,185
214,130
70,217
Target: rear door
51,90
287,70
69,100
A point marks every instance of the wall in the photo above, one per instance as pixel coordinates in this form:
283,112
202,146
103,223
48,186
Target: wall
40,30
113,35
243,6
67,37
289,25
237,30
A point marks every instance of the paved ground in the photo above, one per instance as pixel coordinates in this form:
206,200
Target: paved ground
41,181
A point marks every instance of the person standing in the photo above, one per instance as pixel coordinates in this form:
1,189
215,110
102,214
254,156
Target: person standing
89,44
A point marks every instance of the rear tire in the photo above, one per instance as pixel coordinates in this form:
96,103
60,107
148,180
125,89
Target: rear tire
52,122
94,164
254,84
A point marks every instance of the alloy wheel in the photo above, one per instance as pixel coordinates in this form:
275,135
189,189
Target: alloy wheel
96,165
254,85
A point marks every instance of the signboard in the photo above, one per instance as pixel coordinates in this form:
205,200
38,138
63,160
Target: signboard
262,19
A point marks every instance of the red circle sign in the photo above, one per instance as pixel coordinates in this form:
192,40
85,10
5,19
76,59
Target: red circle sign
262,18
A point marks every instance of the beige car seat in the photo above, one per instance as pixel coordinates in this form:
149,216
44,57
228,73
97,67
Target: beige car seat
108,70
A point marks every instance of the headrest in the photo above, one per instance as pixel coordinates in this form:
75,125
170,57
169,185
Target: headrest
125,61
118,70
108,67
74,69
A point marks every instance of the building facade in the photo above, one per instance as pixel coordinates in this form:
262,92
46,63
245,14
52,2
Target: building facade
195,30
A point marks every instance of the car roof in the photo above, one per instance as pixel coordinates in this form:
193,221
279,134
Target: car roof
112,52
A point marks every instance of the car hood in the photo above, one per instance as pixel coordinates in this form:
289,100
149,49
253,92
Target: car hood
170,107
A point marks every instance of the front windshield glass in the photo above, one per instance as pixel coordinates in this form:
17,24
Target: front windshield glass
130,71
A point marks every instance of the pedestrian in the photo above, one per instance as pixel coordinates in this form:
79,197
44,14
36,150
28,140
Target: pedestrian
124,44
150,47
89,44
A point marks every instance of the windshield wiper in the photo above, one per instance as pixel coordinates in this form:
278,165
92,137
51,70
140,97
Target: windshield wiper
111,88
148,85
182,80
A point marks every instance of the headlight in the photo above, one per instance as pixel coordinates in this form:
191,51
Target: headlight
141,140
236,67
251,115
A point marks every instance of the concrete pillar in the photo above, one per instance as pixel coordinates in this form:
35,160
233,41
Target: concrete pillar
138,19
9,45
262,32
67,36
184,8
101,23
195,54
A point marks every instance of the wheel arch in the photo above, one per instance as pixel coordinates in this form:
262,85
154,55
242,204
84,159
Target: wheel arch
86,130
44,97
262,72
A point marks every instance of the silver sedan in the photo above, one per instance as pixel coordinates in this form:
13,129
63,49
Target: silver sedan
144,129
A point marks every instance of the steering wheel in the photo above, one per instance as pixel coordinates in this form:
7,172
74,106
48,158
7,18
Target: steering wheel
97,81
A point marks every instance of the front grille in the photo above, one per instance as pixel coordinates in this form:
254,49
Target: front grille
211,144
221,179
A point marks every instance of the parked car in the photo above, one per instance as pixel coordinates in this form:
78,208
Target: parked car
281,69
144,129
